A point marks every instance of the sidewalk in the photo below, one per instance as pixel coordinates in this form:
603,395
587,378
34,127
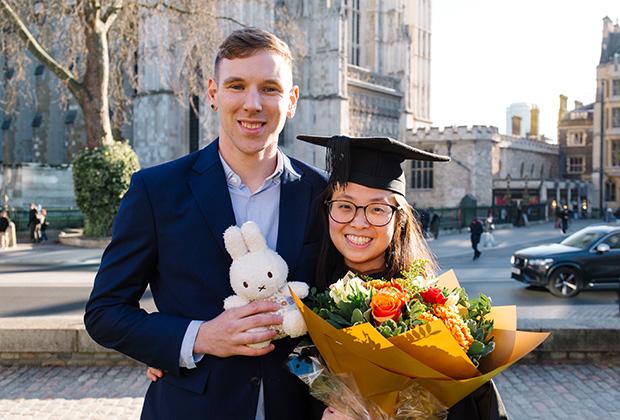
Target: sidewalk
549,390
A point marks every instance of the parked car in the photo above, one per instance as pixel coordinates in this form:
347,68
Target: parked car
587,257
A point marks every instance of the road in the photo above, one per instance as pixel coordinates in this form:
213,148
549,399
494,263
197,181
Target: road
491,273
60,286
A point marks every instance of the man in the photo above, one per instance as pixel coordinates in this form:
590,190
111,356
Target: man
565,215
168,235
4,229
33,221
476,232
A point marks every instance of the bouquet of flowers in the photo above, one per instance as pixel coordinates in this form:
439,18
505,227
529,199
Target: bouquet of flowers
402,304
397,340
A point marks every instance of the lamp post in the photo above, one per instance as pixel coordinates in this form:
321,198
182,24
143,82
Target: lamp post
602,148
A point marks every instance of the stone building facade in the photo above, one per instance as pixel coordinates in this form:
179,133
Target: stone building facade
575,138
492,168
364,69
607,134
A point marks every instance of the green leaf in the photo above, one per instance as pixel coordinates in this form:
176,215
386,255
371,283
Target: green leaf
476,348
357,316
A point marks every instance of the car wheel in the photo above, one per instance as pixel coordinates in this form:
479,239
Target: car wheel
565,282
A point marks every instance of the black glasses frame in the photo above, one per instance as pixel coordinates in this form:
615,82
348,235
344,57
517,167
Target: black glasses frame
329,203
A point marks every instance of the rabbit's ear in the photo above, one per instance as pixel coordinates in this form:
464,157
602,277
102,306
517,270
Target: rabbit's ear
253,237
233,240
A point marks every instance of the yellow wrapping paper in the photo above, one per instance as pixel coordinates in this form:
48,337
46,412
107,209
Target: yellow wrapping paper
428,355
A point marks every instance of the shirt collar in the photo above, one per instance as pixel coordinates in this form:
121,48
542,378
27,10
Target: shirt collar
234,180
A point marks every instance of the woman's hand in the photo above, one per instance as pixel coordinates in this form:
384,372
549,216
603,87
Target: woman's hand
154,374
333,414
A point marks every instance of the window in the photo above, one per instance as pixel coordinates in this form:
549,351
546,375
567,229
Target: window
613,241
576,138
615,153
421,175
615,117
575,165
610,191
354,31
615,87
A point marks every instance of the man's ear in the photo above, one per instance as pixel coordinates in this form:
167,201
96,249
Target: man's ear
293,98
212,92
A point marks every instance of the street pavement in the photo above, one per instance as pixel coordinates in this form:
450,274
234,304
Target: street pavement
530,391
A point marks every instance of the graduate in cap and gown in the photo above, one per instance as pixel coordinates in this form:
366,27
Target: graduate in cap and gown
369,228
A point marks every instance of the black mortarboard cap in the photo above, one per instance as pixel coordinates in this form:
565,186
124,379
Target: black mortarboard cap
374,162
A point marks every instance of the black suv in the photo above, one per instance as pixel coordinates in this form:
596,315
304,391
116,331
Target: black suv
587,257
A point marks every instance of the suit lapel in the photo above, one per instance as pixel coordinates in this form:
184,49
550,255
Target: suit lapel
295,201
210,190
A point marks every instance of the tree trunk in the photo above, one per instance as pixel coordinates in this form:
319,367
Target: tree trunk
94,95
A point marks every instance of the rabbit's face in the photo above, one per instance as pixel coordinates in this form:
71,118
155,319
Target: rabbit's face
258,275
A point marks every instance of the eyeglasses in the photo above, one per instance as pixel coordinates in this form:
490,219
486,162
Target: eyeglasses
376,214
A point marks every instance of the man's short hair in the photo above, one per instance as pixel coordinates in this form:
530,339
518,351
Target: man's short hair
246,42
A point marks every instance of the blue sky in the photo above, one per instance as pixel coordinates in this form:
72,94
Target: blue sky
488,54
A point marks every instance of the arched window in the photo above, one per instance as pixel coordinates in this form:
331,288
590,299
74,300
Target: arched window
542,170
522,168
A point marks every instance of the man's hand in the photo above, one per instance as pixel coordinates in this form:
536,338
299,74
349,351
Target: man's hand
228,335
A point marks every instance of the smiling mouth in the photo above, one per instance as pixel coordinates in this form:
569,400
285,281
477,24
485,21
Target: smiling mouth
358,240
251,125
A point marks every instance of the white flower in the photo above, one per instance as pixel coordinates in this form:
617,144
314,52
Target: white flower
453,299
350,284
423,283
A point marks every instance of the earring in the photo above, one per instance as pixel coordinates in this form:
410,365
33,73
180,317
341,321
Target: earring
213,107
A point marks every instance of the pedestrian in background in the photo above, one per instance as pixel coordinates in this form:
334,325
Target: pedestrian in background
33,222
476,232
488,240
434,226
43,224
4,229
565,215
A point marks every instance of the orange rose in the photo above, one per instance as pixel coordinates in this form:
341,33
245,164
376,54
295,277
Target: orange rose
386,305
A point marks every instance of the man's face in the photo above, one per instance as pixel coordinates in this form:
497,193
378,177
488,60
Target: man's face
254,96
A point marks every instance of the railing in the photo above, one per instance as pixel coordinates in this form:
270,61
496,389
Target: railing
460,217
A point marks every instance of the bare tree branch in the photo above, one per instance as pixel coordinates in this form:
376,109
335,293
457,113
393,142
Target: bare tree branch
111,14
41,53
181,11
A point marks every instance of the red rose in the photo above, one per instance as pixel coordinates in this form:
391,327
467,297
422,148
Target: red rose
433,295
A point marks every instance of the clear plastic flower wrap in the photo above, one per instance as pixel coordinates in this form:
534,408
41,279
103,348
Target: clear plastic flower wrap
340,392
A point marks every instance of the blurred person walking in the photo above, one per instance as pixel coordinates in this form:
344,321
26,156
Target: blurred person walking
4,229
476,232
434,226
565,215
33,221
43,225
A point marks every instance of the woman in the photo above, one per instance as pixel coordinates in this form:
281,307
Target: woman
369,228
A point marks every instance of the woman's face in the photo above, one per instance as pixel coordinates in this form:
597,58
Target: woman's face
361,244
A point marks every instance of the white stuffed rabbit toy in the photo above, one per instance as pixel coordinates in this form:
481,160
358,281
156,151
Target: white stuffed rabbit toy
259,273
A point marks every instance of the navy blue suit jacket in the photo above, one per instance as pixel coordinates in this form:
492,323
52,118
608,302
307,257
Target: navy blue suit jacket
168,235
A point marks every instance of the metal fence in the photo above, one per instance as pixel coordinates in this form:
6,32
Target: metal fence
58,218
460,217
